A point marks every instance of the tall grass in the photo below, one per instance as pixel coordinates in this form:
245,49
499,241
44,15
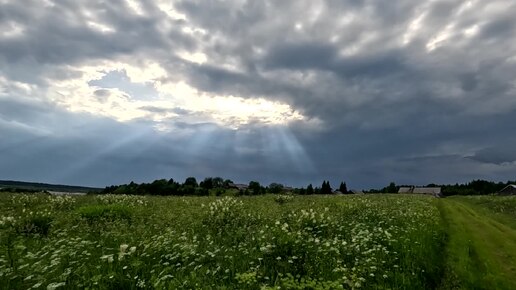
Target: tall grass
315,242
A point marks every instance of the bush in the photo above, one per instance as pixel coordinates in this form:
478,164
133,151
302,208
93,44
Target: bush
281,199
35,223
103,213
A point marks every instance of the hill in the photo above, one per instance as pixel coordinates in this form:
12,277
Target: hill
45,186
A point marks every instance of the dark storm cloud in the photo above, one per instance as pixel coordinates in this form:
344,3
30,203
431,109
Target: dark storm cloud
499,154
405,91
312,56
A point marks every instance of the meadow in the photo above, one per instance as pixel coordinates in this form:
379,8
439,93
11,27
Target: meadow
261,242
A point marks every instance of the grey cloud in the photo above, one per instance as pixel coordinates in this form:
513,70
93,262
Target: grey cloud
498,154
390,111
160,110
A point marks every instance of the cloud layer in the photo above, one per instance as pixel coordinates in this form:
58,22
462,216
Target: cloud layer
101,92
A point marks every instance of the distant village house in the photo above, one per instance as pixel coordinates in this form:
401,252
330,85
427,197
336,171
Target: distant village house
508,190
238,186
435,191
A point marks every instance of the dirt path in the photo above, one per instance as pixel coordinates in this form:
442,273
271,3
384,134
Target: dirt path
481,251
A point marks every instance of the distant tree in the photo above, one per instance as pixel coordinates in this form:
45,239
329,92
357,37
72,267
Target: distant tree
326,188
227,182
343,188
255,188
391,188
191,181
275,187
300,191
207,183
310,189
157,187
218,182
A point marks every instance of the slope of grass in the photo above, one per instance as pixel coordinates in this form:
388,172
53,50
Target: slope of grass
481,251
501,208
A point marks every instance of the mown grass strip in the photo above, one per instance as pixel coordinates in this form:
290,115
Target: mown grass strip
481,251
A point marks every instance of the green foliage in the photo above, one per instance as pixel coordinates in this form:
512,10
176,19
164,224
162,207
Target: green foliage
275,188
190,181
326,188
283,198
255,188
105,213
310,189
35,223
343,188
250,242
481,250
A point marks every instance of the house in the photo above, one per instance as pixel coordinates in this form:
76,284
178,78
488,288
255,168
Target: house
435,191
508,190
354,191
406,189
65,193
238,186
288,189
338,192
427,190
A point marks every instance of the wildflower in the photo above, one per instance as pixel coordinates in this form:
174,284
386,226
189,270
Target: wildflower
55,285
123,247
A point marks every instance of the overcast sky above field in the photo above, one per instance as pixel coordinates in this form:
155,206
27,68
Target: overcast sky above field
105,92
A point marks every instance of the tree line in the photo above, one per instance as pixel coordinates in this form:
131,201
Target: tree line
219,186
216,186
474,187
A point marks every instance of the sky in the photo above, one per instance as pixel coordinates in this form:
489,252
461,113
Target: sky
369,92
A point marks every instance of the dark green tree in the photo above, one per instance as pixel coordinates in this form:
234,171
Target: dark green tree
227,182
190,181
391,188
326,188
218,182
343,188
255,188
207,183
275,187
310,189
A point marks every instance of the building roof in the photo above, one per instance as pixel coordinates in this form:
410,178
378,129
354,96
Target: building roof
238,186
66,193
405,190
427,190
510,187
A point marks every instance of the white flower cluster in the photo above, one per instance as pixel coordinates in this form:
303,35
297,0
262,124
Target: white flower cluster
313,243
129,200
6,221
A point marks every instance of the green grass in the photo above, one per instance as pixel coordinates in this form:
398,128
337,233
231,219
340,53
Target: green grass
501,208
481,251
261,242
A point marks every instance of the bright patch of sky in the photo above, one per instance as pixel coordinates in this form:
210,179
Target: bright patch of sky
124,92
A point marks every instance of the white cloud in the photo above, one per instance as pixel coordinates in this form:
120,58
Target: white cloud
197,57
11,29
76,95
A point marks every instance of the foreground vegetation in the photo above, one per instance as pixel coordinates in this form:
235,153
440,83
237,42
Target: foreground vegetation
143,242
260,242
481,246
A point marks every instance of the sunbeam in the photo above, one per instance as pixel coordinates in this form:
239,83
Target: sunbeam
138,141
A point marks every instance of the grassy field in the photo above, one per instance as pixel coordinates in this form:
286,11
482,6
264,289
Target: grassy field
482,242
264,242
